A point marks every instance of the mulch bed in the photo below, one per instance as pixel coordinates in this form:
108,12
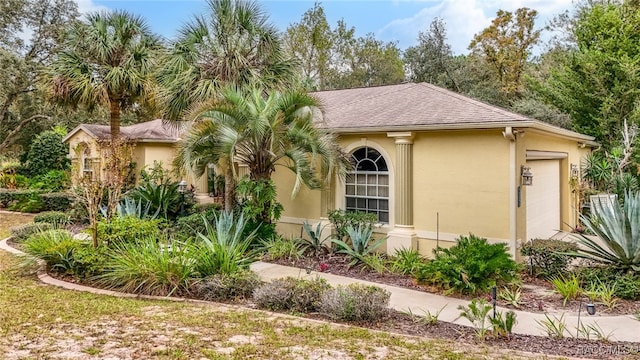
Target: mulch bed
536,295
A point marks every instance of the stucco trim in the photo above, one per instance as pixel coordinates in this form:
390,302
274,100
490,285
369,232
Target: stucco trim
76,130
450,237
546,155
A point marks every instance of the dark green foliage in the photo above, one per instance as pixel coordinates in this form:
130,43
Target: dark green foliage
359,245
257,201
53,180
89,261
355,302
471,266
31,204
8,197
60,201
341,221
291,294
627,284
548,257
188,227
407,261
223,287
47,153
278,248
128,229
22,232
164,198
52,217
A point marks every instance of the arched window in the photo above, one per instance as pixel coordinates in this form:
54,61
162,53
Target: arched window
367,185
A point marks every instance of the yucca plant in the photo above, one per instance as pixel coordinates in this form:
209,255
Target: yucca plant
555,328
618,228
223,249
360,243
568,288
315,242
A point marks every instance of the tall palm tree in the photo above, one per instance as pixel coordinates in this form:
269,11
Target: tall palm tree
234,43
264,131
106,61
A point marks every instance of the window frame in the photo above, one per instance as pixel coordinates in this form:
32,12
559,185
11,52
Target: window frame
358,181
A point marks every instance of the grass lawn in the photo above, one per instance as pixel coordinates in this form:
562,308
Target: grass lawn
8,220
40,321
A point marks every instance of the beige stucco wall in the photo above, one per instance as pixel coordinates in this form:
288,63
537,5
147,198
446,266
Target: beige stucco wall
76,155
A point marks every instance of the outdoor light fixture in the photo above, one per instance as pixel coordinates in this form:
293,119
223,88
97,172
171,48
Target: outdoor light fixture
575,172
591,310
526,177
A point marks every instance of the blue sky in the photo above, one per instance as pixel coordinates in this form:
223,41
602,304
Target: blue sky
388,20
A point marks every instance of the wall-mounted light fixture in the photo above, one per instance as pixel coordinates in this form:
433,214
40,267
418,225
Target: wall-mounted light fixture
526,177
575,171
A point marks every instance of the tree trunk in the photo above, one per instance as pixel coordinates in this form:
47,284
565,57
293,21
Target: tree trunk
114,113
229,188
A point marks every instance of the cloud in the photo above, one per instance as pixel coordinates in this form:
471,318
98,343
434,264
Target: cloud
464,19
86,6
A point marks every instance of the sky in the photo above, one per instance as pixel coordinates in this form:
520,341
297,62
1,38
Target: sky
388,20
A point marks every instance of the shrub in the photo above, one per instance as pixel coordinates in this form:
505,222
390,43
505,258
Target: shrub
279,247
471,266
314,241
145,267
60,201
52,217
222,287
407,261
55,247
627,284
89,261
47,152
188,227
359,245
8,197
291,294
547,257
128,229
31,204
223,248
21,233
342,220
54,180
617,225
164,198
257,200
355,302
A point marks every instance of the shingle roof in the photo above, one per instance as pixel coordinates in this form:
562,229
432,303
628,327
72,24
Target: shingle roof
405,105
154,130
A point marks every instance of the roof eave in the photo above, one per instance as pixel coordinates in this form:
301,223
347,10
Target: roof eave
76,129
526,124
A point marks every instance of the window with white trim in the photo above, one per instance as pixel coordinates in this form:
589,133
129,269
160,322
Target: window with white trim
367,185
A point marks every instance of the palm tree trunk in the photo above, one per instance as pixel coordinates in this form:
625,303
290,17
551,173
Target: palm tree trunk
229,189
114,120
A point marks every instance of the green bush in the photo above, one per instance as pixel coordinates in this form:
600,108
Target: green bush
31,204
342,220
145,267
407,261
279,247
52,217
89,261
548,258
60,201
47,152
257,200
52,181
188,227
355,302
55,247
21,233
471,266
8,197
128,229
291,294
627,284
222,287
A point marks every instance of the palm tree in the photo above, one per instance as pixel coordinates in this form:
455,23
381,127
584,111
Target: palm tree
233,44
106,61
264,131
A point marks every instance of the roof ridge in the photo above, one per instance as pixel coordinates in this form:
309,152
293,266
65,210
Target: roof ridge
472,101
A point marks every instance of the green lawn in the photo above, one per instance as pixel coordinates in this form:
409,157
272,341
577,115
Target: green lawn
40,321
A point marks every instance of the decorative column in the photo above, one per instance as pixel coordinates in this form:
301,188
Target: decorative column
402,235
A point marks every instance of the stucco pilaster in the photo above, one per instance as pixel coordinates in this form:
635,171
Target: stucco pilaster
327,200
403,234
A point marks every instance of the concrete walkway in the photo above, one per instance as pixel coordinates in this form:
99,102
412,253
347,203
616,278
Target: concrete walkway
622,328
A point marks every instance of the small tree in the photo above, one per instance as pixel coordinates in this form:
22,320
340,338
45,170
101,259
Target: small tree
47,153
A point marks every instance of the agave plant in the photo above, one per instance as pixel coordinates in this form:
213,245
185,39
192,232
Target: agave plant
618,228
360,243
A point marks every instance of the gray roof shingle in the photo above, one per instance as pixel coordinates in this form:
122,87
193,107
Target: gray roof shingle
405,105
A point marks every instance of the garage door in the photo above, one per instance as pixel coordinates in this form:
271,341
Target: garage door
543,199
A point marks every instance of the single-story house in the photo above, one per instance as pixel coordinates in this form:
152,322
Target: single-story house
433,165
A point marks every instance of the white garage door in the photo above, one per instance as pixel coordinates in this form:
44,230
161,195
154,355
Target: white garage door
543,199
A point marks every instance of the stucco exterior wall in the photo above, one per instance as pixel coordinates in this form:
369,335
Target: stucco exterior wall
304,206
